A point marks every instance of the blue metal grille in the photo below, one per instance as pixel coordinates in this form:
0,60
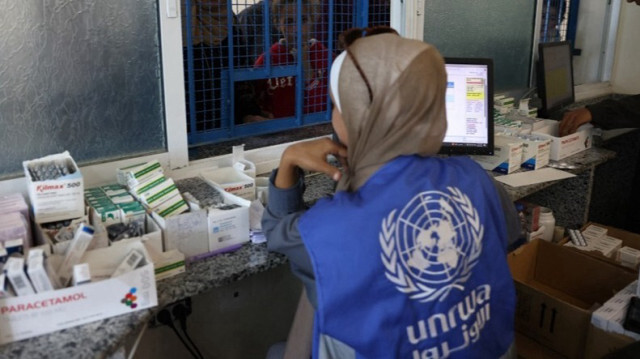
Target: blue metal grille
555,21
244,72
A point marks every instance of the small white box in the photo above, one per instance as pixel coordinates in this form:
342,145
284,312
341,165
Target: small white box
14,269
566,146
231,180
81,274
228,228
151,239
129,263
535,154
535,150
201,232
59,199
629,257
34,315
507,156
75,251
186,232
37,271
594,232
132,176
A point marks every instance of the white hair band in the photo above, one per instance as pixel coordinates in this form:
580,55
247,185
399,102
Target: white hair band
334,76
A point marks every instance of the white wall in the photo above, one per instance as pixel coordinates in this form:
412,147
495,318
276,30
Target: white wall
625,76
589,38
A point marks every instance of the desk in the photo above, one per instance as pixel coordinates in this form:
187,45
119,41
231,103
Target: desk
102,338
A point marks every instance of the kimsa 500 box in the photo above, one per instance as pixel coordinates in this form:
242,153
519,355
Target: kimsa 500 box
56,189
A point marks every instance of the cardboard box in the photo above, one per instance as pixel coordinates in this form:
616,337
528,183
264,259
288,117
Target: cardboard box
566,146
152,237
557,290
202,232
601,343
100,238
629,239
231,180
228,228
59,199
33,315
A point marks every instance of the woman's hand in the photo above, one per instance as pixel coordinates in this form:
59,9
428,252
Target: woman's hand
310,156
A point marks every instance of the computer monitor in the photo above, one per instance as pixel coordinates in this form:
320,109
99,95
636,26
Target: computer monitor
555,77
469,105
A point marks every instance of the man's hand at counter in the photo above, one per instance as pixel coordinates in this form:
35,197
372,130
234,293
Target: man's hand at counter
574,119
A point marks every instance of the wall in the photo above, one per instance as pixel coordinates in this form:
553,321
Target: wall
625,76
591,22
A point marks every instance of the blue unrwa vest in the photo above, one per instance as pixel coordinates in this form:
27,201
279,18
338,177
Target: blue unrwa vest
413,264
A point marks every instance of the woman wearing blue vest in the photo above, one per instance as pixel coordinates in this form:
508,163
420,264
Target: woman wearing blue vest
408,258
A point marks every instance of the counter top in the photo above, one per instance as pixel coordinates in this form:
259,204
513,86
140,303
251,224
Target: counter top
100,339
582,161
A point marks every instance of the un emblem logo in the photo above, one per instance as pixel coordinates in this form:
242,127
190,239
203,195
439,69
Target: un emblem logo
432,245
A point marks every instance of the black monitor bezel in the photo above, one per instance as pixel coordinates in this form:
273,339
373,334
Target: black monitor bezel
449,149
545,110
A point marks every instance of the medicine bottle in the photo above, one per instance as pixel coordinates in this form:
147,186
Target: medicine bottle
548,221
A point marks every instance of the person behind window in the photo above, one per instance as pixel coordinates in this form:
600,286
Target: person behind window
210,49
552,18
277,95
251,19
408,258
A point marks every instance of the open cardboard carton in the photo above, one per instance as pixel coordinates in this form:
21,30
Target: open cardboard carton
628,239
557,289
601,342
33,315
202,232
55,199
568,145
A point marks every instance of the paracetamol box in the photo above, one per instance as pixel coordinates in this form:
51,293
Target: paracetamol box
566,146
231,180
507,155
33,315
54,199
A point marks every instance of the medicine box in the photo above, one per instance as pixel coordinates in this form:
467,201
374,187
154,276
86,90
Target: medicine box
231,180
507,156
205,231
43,236
535,151
612,235
33,315
568,145
55,199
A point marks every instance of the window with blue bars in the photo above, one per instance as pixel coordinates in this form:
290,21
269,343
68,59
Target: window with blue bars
258,67
559,20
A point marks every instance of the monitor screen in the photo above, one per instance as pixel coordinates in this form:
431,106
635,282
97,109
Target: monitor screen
555,76
469,102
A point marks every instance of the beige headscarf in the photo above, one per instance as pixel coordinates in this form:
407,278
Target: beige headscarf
407,113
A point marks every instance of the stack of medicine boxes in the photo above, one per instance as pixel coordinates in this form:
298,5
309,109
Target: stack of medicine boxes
147,182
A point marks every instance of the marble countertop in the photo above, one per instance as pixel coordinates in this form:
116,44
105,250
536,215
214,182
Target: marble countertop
102,338
582,161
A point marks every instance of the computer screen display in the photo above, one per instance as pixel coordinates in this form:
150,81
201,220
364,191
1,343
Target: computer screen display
469,102
555,76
